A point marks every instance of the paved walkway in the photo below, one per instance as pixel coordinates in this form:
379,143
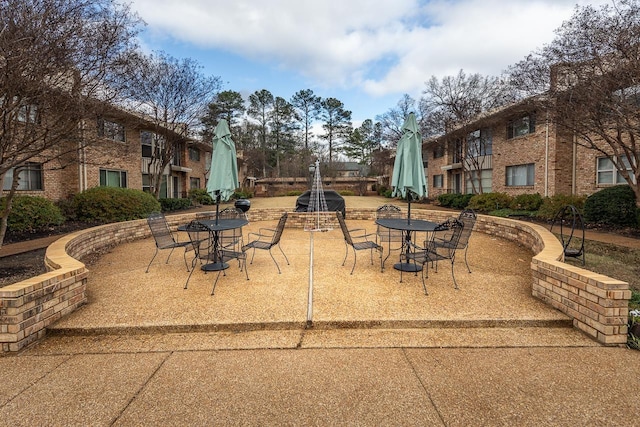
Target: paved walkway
144,351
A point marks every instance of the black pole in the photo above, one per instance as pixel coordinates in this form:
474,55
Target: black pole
217,205
409,209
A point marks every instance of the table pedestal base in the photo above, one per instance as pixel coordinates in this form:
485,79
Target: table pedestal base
407,266
216,266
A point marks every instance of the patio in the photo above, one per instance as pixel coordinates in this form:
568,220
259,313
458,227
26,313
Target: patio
496,297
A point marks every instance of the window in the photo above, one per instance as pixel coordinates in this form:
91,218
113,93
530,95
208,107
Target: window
113,178
152,144
607,173
522,126
475,181
146,185
194,154
29,177
111,130
438,150
438,181
479,143
28,113
520,175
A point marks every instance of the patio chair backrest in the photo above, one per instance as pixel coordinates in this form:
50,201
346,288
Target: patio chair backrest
279,229
345,230
198,235
451,230
468,218
389,211
231,213
160,229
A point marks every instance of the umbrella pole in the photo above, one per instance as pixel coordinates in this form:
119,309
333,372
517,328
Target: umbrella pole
409,208
217,205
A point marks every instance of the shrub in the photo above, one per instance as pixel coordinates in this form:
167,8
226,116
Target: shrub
294,193
199,196
526,202
488,202
387,193
382,189
455,201
346,193
170,205
243,193
614,206
112,204
31,214
552,205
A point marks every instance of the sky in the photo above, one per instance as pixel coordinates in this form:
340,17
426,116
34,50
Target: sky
366,53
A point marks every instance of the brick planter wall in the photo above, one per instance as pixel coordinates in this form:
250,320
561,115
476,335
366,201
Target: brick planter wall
597,304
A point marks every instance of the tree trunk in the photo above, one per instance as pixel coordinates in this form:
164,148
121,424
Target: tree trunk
4,221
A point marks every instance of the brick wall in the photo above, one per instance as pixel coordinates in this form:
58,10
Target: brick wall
597,304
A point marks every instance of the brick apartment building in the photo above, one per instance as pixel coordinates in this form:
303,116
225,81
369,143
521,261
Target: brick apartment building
515,150
119,155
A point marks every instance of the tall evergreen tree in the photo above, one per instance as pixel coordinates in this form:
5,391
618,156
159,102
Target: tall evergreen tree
336,124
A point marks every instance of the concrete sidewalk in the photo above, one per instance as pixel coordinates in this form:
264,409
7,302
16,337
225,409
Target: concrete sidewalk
144,351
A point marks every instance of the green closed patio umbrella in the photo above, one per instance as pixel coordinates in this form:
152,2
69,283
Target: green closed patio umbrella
408,180
223,175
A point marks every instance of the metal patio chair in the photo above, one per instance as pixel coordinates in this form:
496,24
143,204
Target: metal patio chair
267,238
388,235
362,243
445,242
468,218
204,251
164,238
231,239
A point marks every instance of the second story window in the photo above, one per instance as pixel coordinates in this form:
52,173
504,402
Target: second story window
438,150
152,144
479,143
111,130
194,154
521,126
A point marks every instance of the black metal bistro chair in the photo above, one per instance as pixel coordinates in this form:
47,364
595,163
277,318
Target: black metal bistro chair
361,242
267,238
164,238
468,218
388,235
204,251
444,242
231,239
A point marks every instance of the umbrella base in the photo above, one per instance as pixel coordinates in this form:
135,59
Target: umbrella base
407,266
215,266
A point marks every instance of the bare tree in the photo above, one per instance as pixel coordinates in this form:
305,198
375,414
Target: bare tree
392,121
454,102
589,76
175,95
60,62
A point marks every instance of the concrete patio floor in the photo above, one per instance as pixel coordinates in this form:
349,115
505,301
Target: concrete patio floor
145,351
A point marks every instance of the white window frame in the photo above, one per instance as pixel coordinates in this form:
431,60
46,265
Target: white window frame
520,175
109,174
606,168
30,174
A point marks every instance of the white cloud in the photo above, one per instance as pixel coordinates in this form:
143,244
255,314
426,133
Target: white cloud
340,43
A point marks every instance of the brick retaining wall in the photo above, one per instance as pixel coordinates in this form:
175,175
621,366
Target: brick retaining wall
597,304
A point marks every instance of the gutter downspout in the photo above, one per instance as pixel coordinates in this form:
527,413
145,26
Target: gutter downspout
546,156
574,161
